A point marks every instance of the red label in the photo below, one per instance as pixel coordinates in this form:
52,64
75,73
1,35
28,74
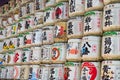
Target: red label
28,41
92,69
16,57
17,72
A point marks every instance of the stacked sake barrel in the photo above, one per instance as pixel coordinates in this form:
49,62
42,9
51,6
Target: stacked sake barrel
110,40
91,40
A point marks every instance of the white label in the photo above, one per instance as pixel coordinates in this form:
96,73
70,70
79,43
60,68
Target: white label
76,6
73,50
90,47
111,45
75,27
93,3
93,23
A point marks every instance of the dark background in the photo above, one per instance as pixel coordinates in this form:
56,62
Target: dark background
2,2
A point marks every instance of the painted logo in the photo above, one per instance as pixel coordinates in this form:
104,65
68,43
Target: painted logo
59,31
55,53
66,73
89,71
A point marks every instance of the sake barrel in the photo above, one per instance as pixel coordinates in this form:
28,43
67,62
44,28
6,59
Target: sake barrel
61,11
57,1
20,41
49,3
46,53
30,8
10,44
21,25
39,5
76,7
10,20
4,22
111,19
13,43
60,32
8,31
23,11
93,5
5,59
3,33
16,74
10,58
4,73
49,16
25,57
75,27
73,50
45,70
38,19
110,70
17,3
6,44
48,35
56,72
110,45
28,38
2,59
93,23
37,37
110,1
58,54
10,72
90,71
35,55
72,71
18,56
90,48
14,28
16,16
29,22
11,5
34,72
5,9
24,72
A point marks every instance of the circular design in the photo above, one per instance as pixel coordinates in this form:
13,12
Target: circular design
55,53
16,72
91,68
